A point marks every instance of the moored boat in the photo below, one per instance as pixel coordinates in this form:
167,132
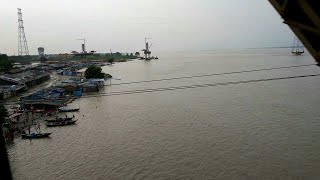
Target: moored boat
35,135
61,123
68,109
60,119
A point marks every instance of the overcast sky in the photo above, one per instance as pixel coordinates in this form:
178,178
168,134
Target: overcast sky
121,25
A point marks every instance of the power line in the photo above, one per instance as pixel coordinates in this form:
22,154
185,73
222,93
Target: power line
196,86
214,74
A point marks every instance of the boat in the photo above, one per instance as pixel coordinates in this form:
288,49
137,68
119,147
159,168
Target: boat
63,109
297,47
61,123
60,119
156,57
37,135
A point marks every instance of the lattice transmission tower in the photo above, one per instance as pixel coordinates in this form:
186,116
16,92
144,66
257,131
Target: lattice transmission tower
22,41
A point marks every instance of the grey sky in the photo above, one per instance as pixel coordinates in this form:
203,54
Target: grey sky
121,25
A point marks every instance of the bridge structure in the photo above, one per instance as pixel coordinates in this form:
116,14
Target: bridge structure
303,17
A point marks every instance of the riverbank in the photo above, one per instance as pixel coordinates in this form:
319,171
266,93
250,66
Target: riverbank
42,99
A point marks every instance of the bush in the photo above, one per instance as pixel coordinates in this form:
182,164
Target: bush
111,60
94,72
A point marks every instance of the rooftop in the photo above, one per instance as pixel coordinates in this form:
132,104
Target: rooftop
25,76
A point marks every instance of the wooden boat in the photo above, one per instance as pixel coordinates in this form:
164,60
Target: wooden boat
68,110
35,135
61,123
60,119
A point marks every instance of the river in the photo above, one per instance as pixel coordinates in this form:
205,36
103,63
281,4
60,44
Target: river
259,130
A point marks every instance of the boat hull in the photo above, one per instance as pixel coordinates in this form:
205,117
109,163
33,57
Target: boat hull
59,120
68,110
36,136
62,123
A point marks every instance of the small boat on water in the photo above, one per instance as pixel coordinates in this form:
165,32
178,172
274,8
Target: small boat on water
63,109
61,123
60,119
37,135
297,47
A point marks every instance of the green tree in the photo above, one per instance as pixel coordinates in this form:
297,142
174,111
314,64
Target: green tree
3,114
110,60
94,72
5,63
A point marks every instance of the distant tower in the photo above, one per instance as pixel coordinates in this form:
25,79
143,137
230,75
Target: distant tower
41,54
22,41
83,45
147,51
83,48
41,51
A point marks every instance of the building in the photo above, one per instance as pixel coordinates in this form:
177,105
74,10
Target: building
45,99
27,78
7,91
